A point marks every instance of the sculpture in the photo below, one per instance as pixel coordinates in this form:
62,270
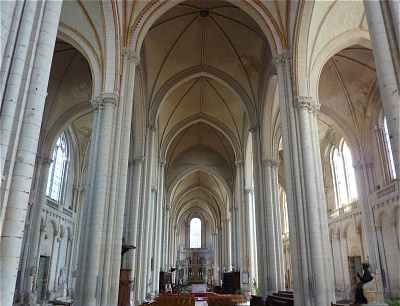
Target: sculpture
366,277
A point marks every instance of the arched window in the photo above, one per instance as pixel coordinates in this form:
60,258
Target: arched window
195,233
57,171
388,149
284,212
343,175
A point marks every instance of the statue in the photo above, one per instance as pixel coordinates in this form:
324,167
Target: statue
366,277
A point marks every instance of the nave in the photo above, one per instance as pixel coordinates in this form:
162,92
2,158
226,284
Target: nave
177,152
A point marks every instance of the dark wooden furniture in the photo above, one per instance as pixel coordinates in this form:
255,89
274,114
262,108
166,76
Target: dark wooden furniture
124,287
231,282
165,278
257,301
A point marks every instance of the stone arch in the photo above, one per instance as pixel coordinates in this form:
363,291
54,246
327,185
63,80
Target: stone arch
62,122
205,169
194,72
341,42
86,49
215,208
187,212
112,43
200,118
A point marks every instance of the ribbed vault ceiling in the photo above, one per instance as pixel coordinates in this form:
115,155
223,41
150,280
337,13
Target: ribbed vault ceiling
212,33
204,68
348,87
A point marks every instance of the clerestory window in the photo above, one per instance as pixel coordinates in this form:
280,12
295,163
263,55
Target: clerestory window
343,175
58,169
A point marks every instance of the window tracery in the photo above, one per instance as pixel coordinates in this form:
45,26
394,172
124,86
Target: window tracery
58,169
343,175
195,233
388,150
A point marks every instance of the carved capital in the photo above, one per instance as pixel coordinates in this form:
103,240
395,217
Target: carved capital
136,160
282,58
131,56
254,128
239,163
248,191
46,160
104,99
307,103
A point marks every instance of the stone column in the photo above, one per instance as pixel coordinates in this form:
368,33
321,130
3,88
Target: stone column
97,199
134,203
345,266
269,210
243,233
235,233
261,229
159,253
278,228
15,189
11,12
382,19
166,237
370,238
145,232
228,230
337,261
119,175
34,229
15,75
312,273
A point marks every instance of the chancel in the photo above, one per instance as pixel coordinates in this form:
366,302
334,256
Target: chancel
200,152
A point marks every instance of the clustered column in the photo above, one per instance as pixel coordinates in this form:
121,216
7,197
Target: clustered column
242,227
24,98
311,258
383,24
133,204
101,245
30,260
271,219
143,258
370,239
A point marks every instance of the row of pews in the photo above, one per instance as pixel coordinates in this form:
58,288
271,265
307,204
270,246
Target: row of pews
281,298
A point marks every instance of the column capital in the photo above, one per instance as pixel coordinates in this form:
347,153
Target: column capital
136,160
254,128
238,163
45,160
379,127
270,163
131,55
282,58
106,98
248,190
307,103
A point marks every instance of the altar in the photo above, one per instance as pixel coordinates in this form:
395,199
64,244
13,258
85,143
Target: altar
195,266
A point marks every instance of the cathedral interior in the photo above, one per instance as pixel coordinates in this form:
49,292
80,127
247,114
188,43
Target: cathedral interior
249,150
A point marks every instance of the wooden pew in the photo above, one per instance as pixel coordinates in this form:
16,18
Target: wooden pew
284,294
257,301
276,300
